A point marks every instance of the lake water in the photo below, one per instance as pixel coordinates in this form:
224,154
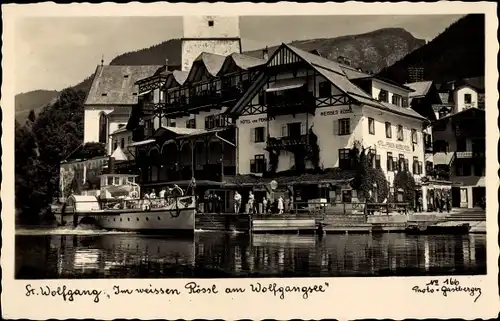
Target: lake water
66,253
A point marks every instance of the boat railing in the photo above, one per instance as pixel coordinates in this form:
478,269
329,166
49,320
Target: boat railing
144,203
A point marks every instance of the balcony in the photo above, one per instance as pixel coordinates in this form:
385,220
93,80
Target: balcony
469,155
295,101
287,142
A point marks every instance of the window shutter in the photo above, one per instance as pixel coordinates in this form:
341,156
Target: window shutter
283,131
252,135
354,193
407,164
302,129
264,133
335,127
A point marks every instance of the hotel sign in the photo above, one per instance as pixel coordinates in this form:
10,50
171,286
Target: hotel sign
391,145
336,112
253,121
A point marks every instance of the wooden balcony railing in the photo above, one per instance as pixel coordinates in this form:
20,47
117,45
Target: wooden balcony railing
287,141
469,154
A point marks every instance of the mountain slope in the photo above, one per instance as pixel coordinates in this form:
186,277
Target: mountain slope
458,52
370,51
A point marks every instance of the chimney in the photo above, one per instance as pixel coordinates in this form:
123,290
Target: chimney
111,165
166,63
265,54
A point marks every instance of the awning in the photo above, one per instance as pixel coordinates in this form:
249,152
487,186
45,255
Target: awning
442,158
286,84
141,143
145,92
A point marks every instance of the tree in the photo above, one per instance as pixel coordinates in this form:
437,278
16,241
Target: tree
40,145
367,178
404,180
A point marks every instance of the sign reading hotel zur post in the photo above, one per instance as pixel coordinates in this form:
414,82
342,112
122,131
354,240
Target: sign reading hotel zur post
391,145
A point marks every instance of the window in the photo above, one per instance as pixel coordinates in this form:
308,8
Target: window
377,161
389,162
468,98
401,165
103,128
415,166
388,130
129,140
345,126
257,135
344,158
325,89
258,164
414,139
400,133
262,98
191,123
396,100
404,102
461,145
210,23
371,126
383,95
122,143
115,144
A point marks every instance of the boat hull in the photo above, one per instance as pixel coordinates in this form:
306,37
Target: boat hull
148,221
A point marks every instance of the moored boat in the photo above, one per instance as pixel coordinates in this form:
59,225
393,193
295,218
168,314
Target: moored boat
118,206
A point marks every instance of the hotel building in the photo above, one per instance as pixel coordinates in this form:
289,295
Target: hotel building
231,121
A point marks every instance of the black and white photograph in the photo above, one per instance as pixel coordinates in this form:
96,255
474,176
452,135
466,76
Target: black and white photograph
232,146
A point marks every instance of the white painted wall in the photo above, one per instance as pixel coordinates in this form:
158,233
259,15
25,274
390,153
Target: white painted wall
459,98
91,122
224,26
383,145
323,124
192,49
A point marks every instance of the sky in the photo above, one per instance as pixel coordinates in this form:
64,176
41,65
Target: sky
57,52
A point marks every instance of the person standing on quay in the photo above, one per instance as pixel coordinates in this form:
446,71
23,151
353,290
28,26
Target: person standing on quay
264,205
237,202
251,200
280,205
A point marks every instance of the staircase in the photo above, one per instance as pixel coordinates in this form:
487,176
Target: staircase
467,214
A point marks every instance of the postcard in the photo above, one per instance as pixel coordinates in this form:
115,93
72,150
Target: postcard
282,161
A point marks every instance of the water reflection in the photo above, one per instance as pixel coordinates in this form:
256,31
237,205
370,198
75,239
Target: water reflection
240,255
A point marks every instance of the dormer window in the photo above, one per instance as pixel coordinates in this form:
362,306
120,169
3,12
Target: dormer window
383,96
104,94
125,76
396,100
210,23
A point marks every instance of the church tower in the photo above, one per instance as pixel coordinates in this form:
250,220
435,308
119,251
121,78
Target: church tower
212,34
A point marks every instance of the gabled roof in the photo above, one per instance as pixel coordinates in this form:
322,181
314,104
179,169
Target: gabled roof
115,85
246,62
420,88
211,62
353,73
334,73
180,76
461,113
475,82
